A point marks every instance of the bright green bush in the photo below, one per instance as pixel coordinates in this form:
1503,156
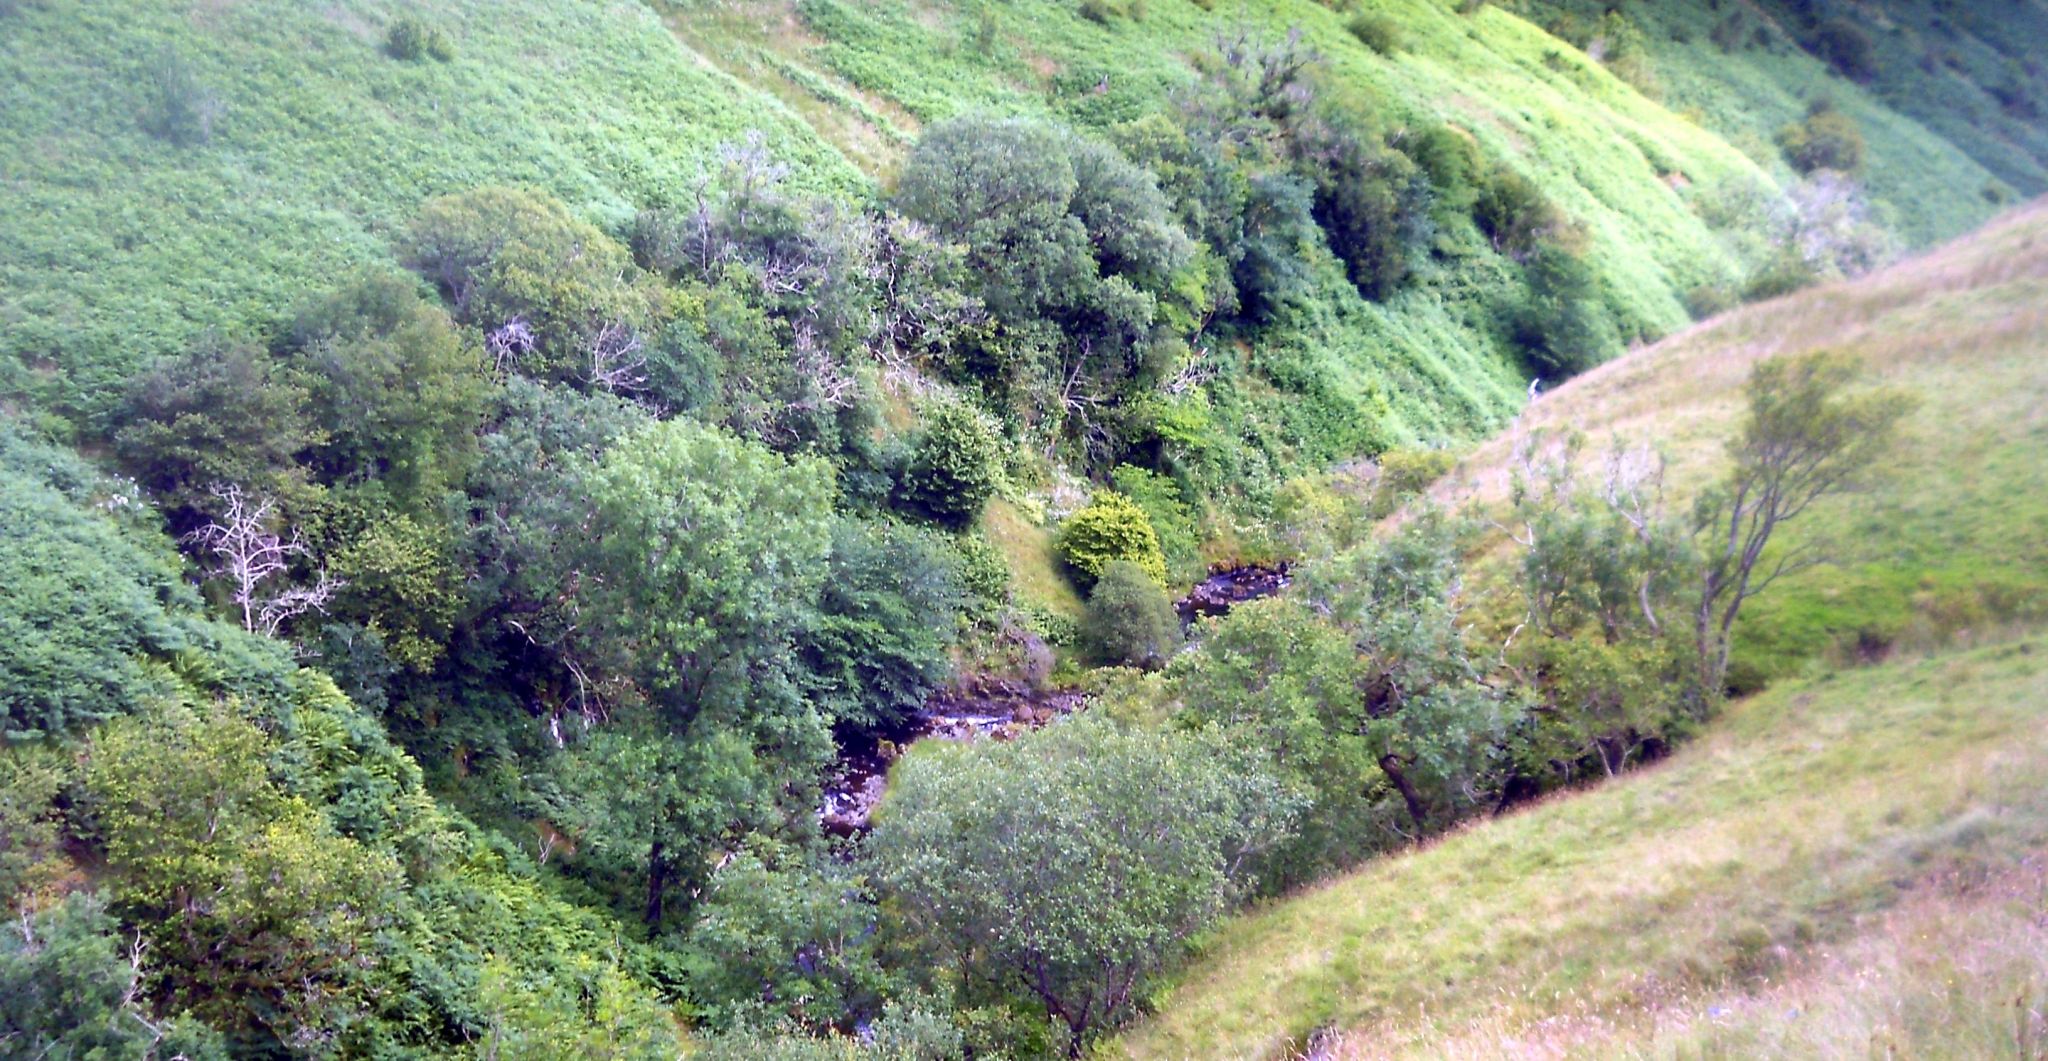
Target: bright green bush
1111,528
1129,619
1167,510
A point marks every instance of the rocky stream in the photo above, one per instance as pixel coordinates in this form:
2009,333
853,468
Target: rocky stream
991,708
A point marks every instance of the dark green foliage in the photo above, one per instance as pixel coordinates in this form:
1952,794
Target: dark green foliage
774,936
704,558
1099,11
1130,622
1067,866
1846,48
72,993
1111,528
1515,214
1827,139
412,40
953,465
84,602
889,607
1562,324
1455,167
225,412
394,392
1071,248
1286,681
1376,30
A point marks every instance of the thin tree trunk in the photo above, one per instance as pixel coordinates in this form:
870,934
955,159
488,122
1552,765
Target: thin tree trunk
657,883
1393,767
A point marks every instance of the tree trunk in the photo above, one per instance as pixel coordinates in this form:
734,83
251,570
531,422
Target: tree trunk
1392,766
657,884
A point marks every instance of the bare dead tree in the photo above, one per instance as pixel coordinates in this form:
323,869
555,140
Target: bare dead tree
251,554
617,358
1198,369
831,385
508,344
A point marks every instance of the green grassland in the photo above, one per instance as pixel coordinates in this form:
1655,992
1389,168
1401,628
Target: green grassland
1849,844
1948,541
1593,924
116,245
1939,71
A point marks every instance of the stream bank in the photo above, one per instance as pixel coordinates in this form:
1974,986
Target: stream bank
986,707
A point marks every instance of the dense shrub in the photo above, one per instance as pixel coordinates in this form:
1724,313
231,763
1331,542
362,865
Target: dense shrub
1070,247
1069,865
1284,679
890,605
395,391
1376,30
953,465
1562,324
556,298
71,992
1111,528
765,907
1129,619
412,40
1846,48
1827,139
1515,214
225,412
1161,498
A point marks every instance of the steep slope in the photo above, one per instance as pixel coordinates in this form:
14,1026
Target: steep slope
305,144
1592,922
1950,539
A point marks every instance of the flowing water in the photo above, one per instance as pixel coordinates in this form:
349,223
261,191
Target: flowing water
986,708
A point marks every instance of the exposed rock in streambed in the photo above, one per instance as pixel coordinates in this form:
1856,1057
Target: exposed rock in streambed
985,707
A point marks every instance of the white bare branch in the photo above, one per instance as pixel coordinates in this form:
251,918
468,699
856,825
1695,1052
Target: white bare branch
250,554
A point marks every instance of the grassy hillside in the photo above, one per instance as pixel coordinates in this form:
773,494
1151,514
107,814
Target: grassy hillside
1822,828
1940,81
117,245
1669,908
1929,551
